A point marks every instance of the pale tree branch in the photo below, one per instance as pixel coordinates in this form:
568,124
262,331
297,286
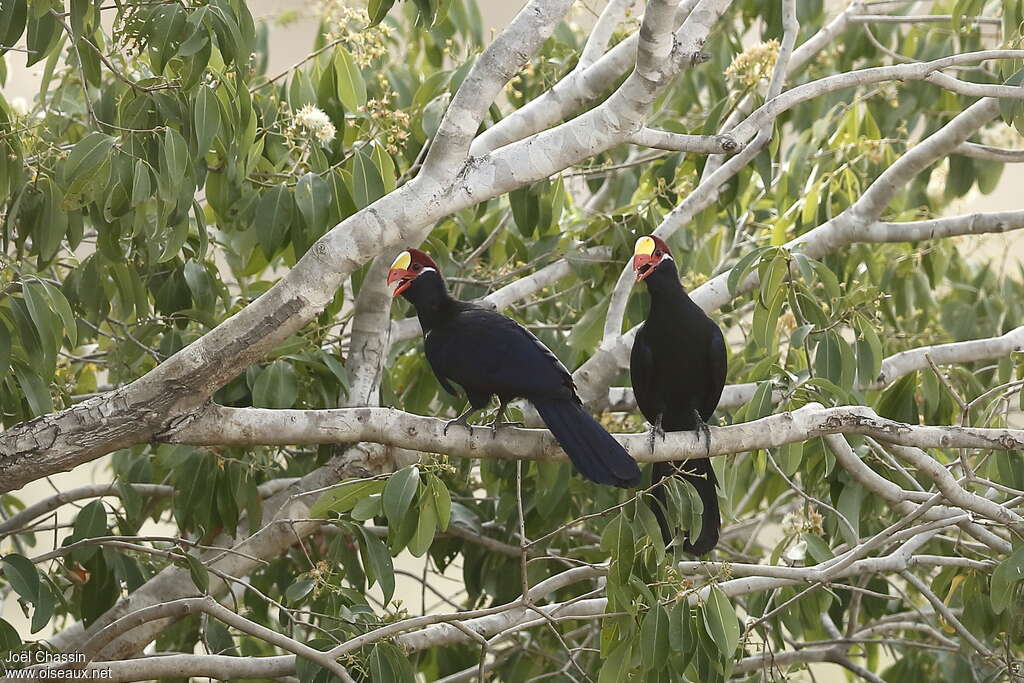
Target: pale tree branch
679,142
899,498
219,425
503,58
920,19
371,329
893,367
988,153
597,42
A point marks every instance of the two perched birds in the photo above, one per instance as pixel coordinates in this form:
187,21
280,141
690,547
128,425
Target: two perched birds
678,368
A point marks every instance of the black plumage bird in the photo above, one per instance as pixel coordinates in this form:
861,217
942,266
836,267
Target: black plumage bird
678,368
488,355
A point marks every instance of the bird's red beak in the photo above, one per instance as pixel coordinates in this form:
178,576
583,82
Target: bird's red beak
404,278
402,273
644,265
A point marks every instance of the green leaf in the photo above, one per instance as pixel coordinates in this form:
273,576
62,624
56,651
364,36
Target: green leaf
828,358
44,608
37,391
378,9
654,638
869,351
721,622
13,15
207,119
142,183
5,350
367,183
345,497
273,219
44,32
42,317
378,564
1004,578
615,668
388,664
398,494
849,506
91,522
644,519
53,220
88,165
313,197
298,590
22,575
351,87
426,525
173,164
617,539
441,500
200,576
368,507
9,638
276,387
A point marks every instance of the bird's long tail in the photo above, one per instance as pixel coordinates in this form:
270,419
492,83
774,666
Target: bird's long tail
701,475
593,451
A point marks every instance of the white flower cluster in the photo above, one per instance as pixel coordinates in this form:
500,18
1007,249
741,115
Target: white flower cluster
317,122
1001,135
937,181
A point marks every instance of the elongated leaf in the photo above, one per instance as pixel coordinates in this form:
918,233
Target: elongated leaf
313,197
388,664
82,172
378,564
13,15
617,539
654,638
44,608
53,221
1004,579
398,494
426,525
367,183
9,638
273,218
207,119
198,572
441,500
351,86
173,164
378,9
345,497
276,386
22,575
721,622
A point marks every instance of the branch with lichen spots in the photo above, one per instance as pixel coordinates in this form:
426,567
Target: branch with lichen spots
223,426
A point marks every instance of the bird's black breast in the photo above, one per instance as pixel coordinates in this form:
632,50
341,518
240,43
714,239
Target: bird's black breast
488,353
678,366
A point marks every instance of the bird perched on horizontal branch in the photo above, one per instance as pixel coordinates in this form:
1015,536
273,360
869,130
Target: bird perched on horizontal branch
488,354
678,367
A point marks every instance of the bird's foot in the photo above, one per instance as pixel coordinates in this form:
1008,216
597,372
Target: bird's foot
461,421
497,424
703,430
655,432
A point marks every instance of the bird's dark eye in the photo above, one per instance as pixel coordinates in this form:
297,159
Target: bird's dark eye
416,266
659,253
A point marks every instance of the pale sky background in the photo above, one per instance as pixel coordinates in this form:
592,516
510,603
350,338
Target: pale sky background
291,43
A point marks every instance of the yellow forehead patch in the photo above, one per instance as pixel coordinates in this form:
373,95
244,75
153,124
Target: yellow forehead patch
402,261
645,246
